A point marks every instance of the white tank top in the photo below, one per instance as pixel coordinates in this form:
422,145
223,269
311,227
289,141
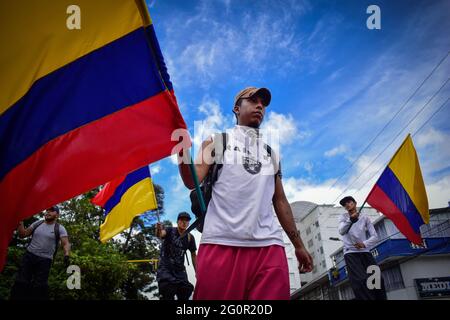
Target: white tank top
240,211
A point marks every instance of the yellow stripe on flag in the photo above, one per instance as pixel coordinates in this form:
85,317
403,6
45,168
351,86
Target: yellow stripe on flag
37,38
138,199
405,166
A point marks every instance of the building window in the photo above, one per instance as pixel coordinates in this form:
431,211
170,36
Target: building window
310,243
319,237
308,230
324,263
393,279
316,224
321,250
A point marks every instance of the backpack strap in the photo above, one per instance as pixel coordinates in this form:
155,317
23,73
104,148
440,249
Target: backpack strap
220,144
269,152
37,226
34,229
210,179
219,157
57,238
268,149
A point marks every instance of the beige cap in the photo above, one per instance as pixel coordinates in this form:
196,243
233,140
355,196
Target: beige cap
248,92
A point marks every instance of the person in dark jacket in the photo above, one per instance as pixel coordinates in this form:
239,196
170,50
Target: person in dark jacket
171,275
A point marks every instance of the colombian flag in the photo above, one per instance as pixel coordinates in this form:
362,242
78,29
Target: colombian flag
78,107
400,193
123,199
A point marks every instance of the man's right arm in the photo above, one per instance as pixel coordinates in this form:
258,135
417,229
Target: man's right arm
160,232
344,224
24,232
201,164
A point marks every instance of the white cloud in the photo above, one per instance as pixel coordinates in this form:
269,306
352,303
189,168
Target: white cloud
320,193
333,76
431,137
279,129
335,151
179,200
155,169
439,193
433,151
174,159
217,50
215,121
302,190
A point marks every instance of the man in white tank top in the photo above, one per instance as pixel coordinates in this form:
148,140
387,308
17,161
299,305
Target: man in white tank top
241,254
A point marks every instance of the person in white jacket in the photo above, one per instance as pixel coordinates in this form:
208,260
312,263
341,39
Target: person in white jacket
354,226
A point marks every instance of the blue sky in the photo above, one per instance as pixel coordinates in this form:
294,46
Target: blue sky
334,85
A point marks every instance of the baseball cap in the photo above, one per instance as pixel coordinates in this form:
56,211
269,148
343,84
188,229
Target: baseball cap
53,208
185,215
346,199
249,92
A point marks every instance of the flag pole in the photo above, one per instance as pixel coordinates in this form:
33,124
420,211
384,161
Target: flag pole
201,200
360,209
197,186
154,196
156,202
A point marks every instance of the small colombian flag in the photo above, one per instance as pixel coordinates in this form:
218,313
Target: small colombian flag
123,199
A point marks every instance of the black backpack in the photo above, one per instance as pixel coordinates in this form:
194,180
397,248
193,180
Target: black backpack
57,235
207,184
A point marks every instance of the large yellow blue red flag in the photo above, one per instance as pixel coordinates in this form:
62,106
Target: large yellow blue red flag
400,193
79,105
123,199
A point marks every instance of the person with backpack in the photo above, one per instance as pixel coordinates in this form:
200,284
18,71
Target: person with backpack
241,254
171,274
32,278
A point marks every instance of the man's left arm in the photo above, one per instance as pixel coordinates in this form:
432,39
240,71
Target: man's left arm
66,247
284,214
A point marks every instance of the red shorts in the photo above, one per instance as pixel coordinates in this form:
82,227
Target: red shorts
241,273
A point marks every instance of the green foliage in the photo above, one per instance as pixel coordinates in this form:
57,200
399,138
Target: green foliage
105,273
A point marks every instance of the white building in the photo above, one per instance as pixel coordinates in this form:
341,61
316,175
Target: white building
317,224
294,275
410,272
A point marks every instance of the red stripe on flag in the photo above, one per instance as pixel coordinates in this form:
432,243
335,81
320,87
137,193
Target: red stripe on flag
108,190
87,157
380,201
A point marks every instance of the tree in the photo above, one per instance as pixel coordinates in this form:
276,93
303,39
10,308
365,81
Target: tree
105,273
